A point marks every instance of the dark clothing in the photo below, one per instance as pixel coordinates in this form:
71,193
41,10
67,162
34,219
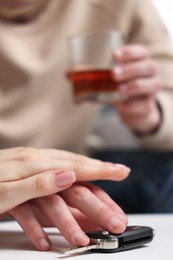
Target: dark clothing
149,187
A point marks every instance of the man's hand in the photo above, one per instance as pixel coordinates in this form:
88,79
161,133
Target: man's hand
139,81
82,207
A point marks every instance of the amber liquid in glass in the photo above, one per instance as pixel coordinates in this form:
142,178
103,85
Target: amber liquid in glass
92,84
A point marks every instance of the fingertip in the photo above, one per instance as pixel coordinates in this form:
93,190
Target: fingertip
117,225
123,217
81,239
122,166
124,175
118,54
121,171
44,244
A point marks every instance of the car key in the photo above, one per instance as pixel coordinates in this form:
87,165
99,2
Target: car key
105,242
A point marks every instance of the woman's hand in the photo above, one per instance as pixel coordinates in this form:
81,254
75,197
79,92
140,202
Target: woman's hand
28,173
139,81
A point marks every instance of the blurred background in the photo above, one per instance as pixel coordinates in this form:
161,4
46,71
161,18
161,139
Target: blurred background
165,8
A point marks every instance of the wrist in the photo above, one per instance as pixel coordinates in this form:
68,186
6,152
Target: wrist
152,124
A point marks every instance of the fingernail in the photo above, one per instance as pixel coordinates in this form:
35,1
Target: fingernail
115,222
81,239
122,217
123,167
118,172
120,166
65,178
118,72
44,244
119,53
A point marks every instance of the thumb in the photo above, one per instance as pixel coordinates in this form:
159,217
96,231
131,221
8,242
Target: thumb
39,185
48,183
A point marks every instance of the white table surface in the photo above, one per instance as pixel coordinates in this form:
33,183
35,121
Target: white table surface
14,245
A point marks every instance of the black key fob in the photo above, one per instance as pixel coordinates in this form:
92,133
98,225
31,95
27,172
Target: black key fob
132,237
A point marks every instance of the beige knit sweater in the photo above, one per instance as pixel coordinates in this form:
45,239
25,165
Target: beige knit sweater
36,101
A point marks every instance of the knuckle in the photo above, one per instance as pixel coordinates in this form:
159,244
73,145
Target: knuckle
78,167
136,84
80,164
26,158
159,83
146,51
27,154
149,106
84,159
20,210
153,66
68,223
105,211
53,200
143,50
23,150
20,149
33,228
79,191
41,185
95,189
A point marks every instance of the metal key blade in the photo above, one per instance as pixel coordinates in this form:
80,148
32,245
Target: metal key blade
74,250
